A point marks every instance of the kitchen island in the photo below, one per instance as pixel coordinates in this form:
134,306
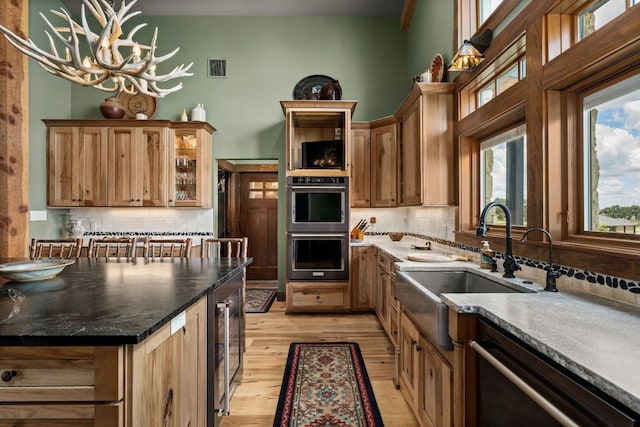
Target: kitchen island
111,343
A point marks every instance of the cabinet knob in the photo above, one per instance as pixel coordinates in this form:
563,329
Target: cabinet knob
8,376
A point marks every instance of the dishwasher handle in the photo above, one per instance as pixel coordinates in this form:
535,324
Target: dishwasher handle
547,406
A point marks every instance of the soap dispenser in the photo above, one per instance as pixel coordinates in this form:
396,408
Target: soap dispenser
486,255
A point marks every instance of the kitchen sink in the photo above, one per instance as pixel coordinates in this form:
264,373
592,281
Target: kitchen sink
419,292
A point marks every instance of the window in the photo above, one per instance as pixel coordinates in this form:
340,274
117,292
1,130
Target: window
599,13
486,8
506,78
611,129
503,175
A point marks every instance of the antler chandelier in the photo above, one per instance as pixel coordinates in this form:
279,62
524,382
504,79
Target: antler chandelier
115,62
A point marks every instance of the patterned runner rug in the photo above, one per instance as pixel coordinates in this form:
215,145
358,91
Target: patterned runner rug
326,385
259,300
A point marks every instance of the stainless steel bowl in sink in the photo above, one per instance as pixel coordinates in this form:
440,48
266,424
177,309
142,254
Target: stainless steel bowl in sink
419,292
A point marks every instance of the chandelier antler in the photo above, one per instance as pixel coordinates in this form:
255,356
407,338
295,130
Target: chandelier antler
116,62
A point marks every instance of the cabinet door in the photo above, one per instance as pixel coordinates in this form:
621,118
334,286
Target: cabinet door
440,152
435,393
125,167
360,185
382,298
409,361
154,167
362,277
410,173
189,180
168,385
384,152
76,167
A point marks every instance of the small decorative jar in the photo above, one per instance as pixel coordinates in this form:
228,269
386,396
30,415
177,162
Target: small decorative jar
112,109
198,114
74,227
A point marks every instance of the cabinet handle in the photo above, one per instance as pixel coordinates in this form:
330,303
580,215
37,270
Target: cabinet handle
418,348
8,375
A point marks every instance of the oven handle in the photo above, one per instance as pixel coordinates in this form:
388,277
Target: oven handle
317,235
317,187
227,372
547,406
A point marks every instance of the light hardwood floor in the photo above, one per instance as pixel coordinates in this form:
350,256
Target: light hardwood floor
268,338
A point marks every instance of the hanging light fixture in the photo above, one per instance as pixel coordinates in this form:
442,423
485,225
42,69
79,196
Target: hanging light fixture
470,53
114,61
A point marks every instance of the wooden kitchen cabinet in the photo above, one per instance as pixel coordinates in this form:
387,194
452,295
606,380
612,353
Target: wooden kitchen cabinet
161,381
386,306
317,297
363,263
306,121
190,166
76,166
427,163
137,166
134,163
426,378
169,373
384,158
360,172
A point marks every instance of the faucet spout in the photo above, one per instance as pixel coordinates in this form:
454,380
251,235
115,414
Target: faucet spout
510,263
552,273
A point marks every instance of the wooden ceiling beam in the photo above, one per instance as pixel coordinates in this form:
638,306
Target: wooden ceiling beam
407,13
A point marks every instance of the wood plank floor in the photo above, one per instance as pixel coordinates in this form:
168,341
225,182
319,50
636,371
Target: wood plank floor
268,338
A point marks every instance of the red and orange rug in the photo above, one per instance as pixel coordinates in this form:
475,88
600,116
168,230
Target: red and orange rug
326,384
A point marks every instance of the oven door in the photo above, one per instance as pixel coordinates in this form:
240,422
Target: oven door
318,256
318,208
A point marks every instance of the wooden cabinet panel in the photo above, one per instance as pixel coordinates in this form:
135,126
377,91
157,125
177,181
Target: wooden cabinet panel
409,361
410,155
125,166
69,415
154,166
435,392
48,374
317,296
168,374
363,268
384,152
76,166
360,182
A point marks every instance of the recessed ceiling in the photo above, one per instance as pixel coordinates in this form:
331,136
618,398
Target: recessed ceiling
382,8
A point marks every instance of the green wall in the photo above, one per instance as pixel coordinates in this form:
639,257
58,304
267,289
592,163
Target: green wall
431,32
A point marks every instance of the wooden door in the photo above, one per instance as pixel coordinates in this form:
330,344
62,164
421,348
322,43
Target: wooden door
384,155
125,157
259,222
410,185
360,185
363,268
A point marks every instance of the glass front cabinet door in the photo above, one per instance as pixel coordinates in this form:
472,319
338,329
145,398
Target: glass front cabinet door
190,165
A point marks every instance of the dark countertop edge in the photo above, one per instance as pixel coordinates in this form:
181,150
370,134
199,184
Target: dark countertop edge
115,340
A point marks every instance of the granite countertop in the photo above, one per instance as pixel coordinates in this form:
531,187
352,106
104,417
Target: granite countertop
95,302
593,337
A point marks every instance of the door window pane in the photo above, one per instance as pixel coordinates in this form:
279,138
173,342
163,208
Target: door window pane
504,175
612,158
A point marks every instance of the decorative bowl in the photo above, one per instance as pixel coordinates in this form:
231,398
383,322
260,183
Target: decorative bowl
30,271
396,237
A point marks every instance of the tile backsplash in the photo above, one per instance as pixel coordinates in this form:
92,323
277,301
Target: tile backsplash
145,220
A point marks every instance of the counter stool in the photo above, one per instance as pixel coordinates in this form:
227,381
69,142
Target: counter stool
167,248
55,248
224,247
112,247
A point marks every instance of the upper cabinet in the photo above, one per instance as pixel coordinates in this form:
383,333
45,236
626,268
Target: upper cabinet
318,136
427,166
128,163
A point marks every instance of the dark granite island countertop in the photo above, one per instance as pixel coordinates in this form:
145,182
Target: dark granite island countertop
95,302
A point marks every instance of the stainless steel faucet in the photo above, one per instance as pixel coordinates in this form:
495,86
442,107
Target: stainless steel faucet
510,265
552,273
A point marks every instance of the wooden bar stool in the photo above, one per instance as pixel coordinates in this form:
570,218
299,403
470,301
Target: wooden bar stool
167,248
55,248
112,247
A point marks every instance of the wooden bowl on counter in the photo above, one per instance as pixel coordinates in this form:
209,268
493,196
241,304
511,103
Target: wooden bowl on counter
396,237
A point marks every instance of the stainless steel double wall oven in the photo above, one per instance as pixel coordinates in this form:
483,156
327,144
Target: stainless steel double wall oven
318,228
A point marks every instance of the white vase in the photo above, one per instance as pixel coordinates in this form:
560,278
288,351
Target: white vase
74,227
198,114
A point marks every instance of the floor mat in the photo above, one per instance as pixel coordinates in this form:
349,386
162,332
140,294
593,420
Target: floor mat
326,384
259,300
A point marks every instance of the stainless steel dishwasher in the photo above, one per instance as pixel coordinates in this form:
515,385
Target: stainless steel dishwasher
516,385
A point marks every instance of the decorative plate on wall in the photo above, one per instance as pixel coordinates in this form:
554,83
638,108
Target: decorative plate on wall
137,103
437,68
310,86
